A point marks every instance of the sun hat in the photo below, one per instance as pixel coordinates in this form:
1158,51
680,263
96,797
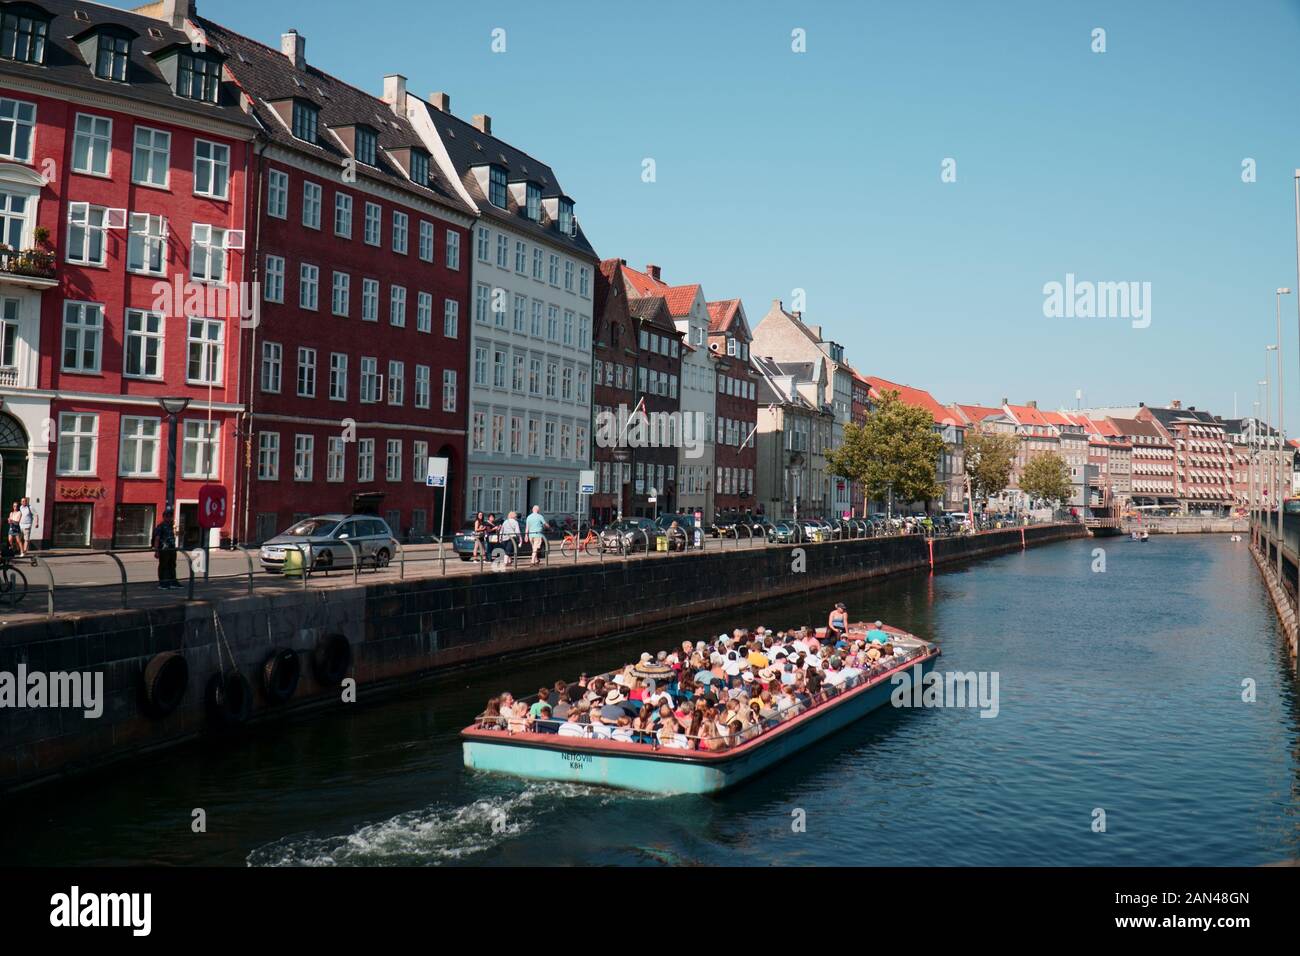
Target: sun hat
613,697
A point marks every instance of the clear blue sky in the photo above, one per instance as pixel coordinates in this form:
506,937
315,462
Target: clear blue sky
821,170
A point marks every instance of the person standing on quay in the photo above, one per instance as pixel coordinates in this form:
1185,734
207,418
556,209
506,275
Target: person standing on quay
164,549
510,537
535,524
27,523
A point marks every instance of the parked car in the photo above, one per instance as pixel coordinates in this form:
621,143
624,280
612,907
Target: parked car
332,541
629,534
684,521
785,532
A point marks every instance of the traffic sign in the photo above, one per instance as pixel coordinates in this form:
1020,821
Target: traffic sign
587,481
213,503
436,476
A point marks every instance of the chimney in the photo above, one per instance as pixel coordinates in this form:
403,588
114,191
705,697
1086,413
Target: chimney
176,12
395,93
483,123
1005,402
1175,403
294,46
653,272
440,102
1032,404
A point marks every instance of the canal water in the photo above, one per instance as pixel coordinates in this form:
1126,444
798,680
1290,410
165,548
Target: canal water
1120,692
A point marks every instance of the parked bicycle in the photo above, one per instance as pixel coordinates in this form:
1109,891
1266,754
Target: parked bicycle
588,544
13,583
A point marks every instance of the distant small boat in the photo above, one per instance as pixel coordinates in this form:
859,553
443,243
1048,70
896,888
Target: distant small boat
1141,535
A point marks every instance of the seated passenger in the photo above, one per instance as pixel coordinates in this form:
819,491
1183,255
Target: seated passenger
876,634
543,723
623,731
670,737
573,726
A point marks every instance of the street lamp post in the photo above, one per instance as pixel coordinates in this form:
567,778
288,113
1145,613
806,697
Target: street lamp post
1266,467
1281,426
173,406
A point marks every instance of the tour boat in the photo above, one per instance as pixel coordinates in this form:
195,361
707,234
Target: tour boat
646,767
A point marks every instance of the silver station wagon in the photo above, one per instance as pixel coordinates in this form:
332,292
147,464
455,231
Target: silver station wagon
332,541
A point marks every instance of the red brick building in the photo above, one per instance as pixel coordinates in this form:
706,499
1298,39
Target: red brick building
614,361
656,430
124,169
356,373
736,455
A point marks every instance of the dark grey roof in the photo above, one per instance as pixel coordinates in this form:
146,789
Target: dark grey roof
65,66
653,309
1167,416
469,148
267,75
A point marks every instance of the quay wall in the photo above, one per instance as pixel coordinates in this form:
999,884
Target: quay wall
401,631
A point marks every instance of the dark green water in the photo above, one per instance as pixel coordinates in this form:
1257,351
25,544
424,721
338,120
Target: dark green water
1119,690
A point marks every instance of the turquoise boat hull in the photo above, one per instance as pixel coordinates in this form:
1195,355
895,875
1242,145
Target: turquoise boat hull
637,767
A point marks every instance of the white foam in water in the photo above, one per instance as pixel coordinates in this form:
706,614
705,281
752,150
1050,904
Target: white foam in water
437,834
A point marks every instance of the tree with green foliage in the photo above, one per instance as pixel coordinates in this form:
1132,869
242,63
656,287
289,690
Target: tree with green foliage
989,457
1047,477
897,447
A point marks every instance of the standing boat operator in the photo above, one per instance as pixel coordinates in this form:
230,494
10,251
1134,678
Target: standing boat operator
838,622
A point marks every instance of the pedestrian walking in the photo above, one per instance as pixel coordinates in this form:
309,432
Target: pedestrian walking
510,535
27,523
14,531
480,534
164,549
535,524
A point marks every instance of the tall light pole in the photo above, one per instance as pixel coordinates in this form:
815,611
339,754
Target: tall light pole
173,407
1281,426
1268,441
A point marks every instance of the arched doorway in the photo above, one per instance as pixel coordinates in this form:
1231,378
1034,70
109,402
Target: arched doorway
13,460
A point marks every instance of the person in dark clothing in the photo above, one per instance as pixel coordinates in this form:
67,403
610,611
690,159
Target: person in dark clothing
164,549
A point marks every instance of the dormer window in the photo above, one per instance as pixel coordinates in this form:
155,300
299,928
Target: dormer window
306,118
367,143
566,217
111,59
497,186
198,78
22,37
419,168
534,202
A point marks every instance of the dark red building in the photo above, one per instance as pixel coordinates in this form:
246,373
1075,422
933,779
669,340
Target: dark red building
356,373
736,454
614,360
656,432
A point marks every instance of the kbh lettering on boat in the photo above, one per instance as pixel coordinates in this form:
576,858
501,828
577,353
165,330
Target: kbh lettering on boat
55,689
134,910
1098,300
950,689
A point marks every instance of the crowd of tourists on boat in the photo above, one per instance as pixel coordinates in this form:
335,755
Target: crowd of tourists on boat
709,695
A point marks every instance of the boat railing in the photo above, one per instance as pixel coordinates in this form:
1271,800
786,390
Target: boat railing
758,725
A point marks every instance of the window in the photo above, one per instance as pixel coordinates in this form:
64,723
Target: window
306,373
552,322
534,193
482,298
144,342
205,351
343,215
422,386
373,222
521,257
311,202
83,326
478,431
370,380
334,459
450,318
535,328
453,250
86,233
553,270
517,375
419,168
22,37
393,459
207,253
308,287
138,447
482,244
498,368
396,382
146,244
272,355
366,459
425,250
548,440
111,58
9,331
340,294
534,376
584,284
567,225
198,78
277,194
91,144
338,376
401,232
552,371
200,447
448,390
419,470
397,307
273,288
568,275
305,119
503,250
268,456
480,365
212,171
423,312
568,326
304,449
369,300
78,433
497,186
17,123
366,142
152,157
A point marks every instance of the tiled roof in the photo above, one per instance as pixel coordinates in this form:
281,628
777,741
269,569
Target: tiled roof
909,395
1027,415
468,147
267,75
65,66
977,413
722,314
680,298
1134,426
652,309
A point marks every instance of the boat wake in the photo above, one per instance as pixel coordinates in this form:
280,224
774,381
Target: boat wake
434,835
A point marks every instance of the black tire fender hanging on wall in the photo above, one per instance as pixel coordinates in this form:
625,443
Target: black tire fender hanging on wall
166,678
280,674
332,659
229,698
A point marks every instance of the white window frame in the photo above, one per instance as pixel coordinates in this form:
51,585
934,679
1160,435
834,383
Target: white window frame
139,440
77,437
99,145
218,185
151,150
